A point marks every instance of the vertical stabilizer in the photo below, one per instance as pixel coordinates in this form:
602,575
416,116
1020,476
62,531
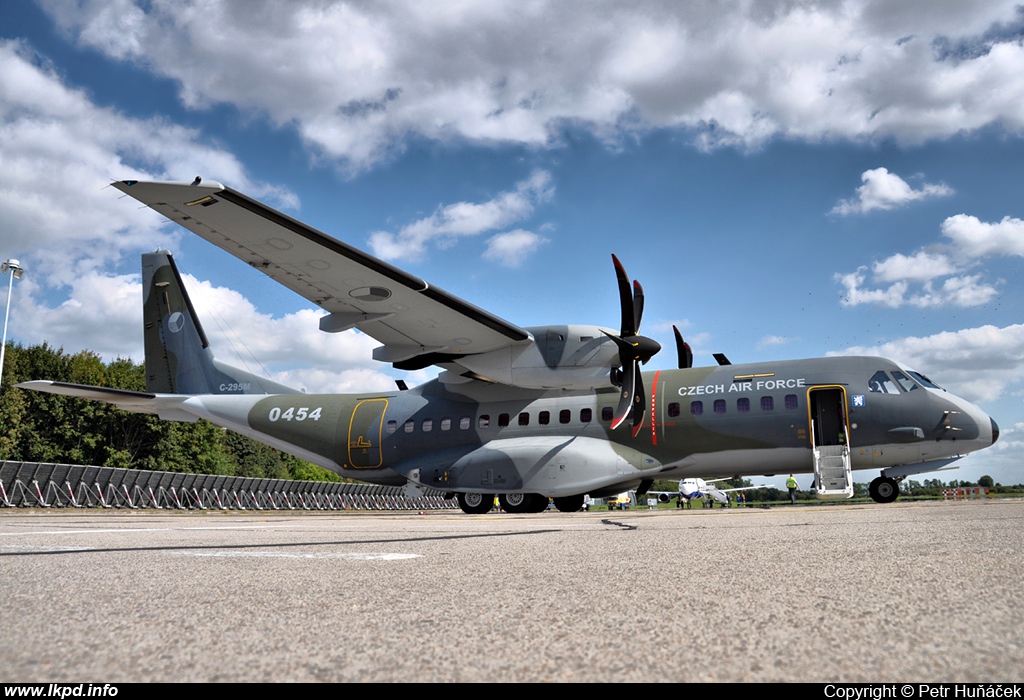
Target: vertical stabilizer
178,355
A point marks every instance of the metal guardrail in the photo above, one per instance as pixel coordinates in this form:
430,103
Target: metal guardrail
45,485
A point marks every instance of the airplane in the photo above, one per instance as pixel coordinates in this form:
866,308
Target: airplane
524,414
692,488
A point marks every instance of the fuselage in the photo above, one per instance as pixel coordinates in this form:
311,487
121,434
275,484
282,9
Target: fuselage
734,420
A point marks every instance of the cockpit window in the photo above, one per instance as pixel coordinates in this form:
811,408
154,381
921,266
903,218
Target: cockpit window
881,383
925,381
904,381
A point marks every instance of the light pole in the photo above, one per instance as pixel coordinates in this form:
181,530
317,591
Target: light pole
16,272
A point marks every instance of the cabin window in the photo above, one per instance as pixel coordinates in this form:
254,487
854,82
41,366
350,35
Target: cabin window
719,405
484,421
673,409
743,405
607,413
446,423
564,416
464,423
428,425
904,381
586,415
767,403
880,383
696,408
925,381
524,419
503,419
543,417
791,402
392,426
410,425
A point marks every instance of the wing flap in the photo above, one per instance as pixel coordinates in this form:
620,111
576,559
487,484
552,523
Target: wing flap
386,303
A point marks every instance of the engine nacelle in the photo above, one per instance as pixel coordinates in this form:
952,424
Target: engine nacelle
560,357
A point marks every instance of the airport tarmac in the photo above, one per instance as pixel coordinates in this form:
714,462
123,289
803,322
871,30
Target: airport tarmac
875,593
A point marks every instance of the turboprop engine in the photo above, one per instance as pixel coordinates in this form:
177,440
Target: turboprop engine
574,357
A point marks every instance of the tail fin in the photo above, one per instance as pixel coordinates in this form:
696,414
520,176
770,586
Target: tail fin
178,355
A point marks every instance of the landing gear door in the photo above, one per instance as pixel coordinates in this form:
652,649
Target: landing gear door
830,441
364,434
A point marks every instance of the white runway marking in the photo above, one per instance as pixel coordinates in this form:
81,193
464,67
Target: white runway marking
8,548
308,555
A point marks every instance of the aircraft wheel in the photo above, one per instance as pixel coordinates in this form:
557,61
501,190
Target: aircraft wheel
538,504
883,490
569,504
515,502
475,503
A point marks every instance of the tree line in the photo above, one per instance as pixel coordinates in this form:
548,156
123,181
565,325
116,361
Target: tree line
39,427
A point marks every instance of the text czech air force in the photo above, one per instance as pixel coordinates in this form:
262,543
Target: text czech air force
753,385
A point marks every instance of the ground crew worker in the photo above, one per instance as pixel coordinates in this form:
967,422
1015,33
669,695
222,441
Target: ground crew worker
791,485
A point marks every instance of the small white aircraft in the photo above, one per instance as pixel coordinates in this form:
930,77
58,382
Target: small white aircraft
695,488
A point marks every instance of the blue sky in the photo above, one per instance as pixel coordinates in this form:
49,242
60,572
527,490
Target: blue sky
786,180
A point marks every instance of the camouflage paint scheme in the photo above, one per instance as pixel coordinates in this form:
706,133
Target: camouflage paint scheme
352,434
479,428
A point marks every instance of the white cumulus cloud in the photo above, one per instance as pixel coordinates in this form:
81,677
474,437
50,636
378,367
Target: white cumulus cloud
513,247
60,151
941,270
453,221
358,80
885,190
973,238
68,230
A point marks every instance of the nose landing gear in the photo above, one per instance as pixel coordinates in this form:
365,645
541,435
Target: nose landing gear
884,490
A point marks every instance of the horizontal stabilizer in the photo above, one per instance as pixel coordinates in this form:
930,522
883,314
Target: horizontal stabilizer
166,406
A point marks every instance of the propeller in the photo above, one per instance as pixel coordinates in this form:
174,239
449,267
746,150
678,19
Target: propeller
683,351
634,350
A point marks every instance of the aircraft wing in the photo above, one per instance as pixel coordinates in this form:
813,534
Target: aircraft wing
417,323
734,488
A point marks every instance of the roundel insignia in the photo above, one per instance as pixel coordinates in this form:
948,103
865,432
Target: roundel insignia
175,322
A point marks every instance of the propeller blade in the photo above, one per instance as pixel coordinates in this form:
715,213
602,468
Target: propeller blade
628,326
631,397
639,402
638,305
633,350
683,351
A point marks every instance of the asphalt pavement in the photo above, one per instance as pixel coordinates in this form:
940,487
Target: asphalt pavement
927,592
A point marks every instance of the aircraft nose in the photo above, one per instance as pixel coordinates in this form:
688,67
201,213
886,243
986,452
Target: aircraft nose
995,430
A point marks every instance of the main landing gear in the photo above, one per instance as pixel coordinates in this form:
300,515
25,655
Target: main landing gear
475,503
569,504
522,502
479,503
884,490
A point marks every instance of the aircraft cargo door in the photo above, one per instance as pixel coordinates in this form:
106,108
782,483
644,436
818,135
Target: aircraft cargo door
830,441
364,434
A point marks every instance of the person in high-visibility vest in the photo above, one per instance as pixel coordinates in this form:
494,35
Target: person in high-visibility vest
791,485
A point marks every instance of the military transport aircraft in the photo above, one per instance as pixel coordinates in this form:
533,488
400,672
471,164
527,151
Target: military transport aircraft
521,413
